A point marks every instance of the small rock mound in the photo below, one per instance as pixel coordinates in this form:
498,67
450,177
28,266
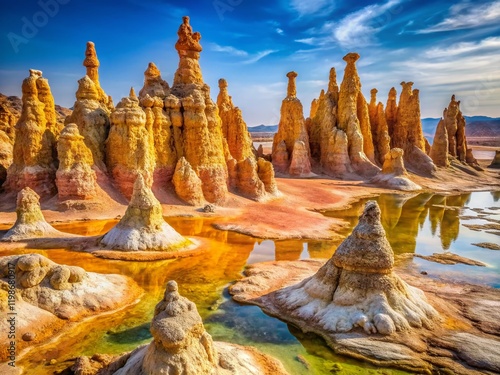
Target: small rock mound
495,163
142,227
394,174
30,221
182,346
357,287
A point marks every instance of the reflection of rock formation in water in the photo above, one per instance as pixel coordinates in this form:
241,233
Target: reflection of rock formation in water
182,346
495,195
288,250
436,211
30,222
142,227
391,207
450,223
357,287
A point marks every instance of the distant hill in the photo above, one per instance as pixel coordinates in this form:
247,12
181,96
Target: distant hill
263,129
14,104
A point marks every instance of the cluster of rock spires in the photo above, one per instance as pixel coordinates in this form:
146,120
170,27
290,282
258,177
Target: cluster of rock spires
344,134
166,134
450,140
177,135
181,345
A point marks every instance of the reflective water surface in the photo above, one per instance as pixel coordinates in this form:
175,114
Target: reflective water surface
424,224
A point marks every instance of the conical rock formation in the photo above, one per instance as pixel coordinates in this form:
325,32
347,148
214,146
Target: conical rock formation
379,128
33,155
300,165
181,345
154,85
128,145
30,222
291,129
91,63
142,227
354,120
234,128
495,163
75,178
439,149
394,174
191,108
357,287
92,118
187,184
407,133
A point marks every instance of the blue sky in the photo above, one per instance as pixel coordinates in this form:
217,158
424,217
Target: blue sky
445,47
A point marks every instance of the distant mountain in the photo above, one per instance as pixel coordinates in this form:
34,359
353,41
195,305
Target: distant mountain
263,129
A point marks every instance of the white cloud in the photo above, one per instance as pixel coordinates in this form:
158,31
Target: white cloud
467,15
258,56
464,48
311,7
358,28
251,58
309,41
228,49
280,31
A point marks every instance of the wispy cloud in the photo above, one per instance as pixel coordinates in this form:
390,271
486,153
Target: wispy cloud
467,15
250,58
358,29
258,56
311,7
228,49
280,31
492,44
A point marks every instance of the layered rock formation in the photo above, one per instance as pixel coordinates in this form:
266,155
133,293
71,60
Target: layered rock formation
92,118
48,295
30,222
142,227
439,149
234,128
91,63
92,109
291,129
329,144
33,157
154,85
357,287
182,346
391,112
128,145
187,184
394,174
495,163
6,150
192,109
243,167
407,133
166,144
75,178
7,122
354,119
379,129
